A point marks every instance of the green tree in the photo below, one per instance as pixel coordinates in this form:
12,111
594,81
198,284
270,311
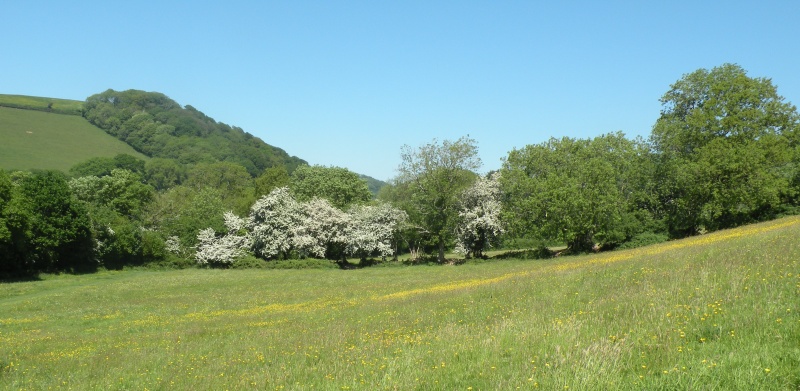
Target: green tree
271,179
163,174
435,174
340,186
581,192
14,232
234,183
60,230
724,142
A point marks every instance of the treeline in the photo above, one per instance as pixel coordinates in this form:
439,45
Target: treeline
122,211
725,151
157,126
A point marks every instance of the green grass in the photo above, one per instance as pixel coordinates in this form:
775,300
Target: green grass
39,140
61,106
716,312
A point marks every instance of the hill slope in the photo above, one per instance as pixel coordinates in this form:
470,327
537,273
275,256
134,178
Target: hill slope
52,105
41,140
719,311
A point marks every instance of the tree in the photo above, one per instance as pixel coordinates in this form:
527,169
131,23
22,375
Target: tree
274,221
582,192
435,175
338,185
724,143
163,174
224,250
60,230
271,179
122,191
14,231
373,229
231,179
479,226
323,231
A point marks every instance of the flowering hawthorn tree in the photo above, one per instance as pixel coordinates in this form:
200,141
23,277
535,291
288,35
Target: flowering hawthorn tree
213,249
479,217
324,228
274,221
373,228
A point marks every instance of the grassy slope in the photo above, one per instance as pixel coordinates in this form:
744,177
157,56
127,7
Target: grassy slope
40,140
61,106
720,311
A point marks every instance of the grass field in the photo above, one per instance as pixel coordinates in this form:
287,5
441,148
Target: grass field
60,106
716,312
40,140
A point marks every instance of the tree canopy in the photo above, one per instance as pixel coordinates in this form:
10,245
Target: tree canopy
724,141
435,174
157,126
579,191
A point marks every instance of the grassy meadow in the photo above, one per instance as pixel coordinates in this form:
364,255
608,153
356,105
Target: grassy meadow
61,106
40,140
716,312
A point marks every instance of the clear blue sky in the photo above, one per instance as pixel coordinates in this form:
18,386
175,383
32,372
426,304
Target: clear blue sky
347,83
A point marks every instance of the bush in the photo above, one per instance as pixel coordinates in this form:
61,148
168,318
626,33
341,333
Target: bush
644,239
309,263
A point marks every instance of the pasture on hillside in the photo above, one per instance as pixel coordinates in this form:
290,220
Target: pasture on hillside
718,311
54,105
40,140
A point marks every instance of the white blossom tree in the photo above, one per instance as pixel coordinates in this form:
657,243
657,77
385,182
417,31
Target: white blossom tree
274,221
479,226
324,230
373,229
225,249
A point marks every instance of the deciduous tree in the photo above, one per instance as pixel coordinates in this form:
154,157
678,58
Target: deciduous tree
724,141
435,174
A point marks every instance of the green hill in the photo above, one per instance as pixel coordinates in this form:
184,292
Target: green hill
53,105
714,312
41,140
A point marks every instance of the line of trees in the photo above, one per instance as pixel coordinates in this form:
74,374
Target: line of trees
725,151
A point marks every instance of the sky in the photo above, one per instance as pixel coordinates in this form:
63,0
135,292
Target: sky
348,83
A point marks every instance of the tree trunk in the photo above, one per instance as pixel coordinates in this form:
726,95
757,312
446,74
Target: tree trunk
441,251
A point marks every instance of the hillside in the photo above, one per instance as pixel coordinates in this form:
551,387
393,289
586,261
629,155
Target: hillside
157,126
718,311
42,140
52,105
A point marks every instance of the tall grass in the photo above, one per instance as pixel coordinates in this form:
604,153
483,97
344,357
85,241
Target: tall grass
39,140
718,311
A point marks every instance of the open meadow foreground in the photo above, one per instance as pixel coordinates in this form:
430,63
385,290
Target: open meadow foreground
719,311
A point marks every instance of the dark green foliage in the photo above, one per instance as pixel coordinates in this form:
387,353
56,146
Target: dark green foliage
644,239
163,174
183,211
102,166
231,180
271,179
431,179
582,192
725,147
159,127
14,231
60,231
340,186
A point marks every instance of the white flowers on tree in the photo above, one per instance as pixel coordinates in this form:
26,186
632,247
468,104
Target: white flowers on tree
324,227
373,228
278,225
212,249
479,218
274,221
